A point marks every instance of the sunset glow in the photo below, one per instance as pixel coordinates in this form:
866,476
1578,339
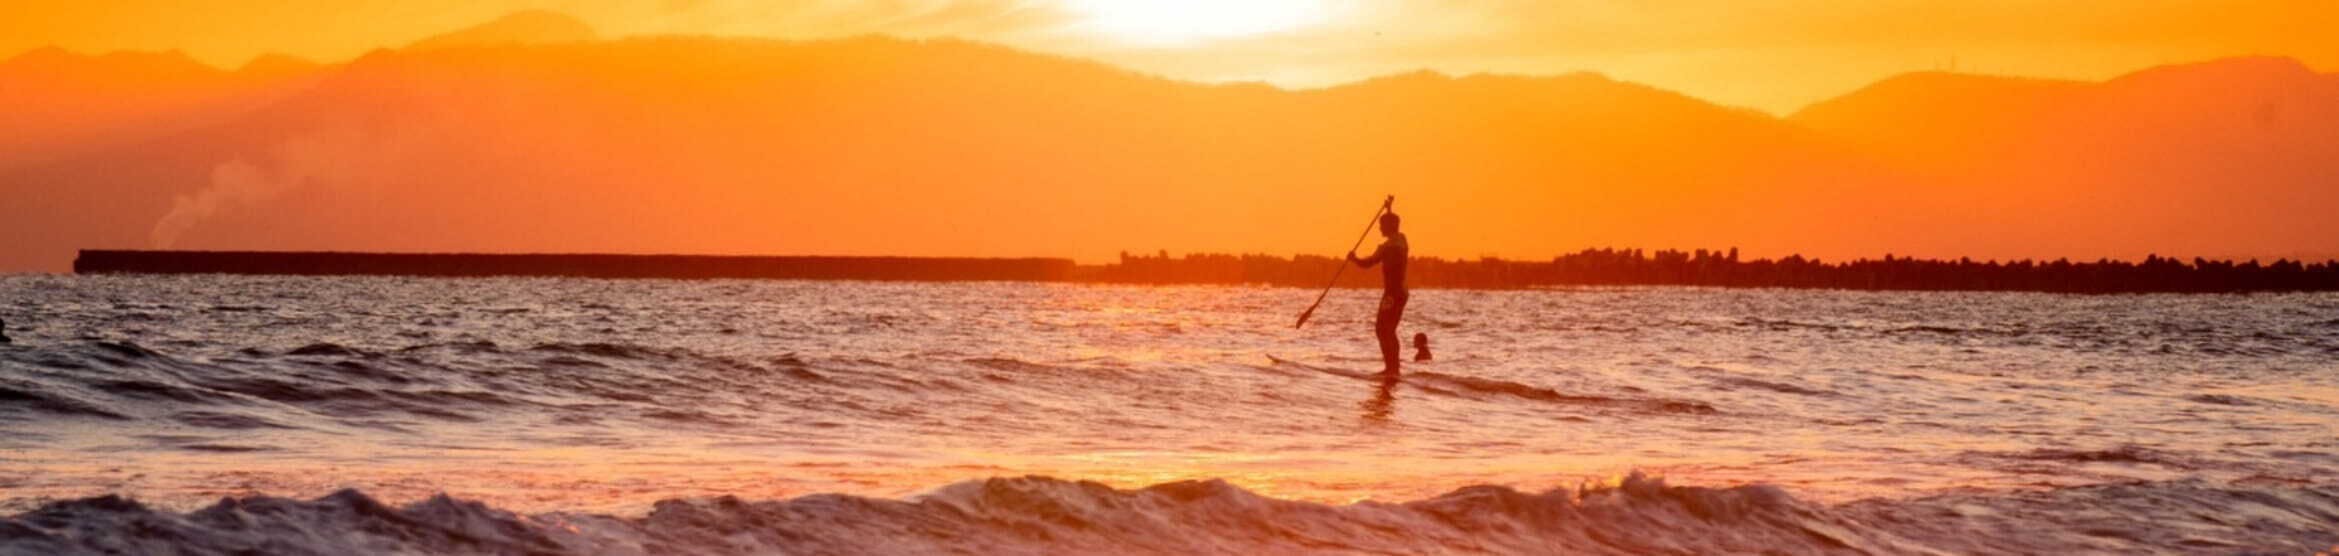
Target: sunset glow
741,277
1776,56
1184,23
908,125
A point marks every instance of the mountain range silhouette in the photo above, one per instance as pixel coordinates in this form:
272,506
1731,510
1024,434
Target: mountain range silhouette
532,134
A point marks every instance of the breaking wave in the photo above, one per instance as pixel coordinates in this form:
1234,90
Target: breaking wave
1037,515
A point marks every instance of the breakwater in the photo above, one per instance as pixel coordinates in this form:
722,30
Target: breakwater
935,269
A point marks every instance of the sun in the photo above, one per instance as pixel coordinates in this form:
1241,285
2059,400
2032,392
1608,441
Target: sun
1182,22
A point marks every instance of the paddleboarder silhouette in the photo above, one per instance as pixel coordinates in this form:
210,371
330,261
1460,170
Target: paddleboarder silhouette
1391,257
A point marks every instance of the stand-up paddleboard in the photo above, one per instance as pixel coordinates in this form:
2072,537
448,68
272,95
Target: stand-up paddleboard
1471,387
1422,380
1334,371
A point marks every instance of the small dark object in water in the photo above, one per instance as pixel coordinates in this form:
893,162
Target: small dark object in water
3,332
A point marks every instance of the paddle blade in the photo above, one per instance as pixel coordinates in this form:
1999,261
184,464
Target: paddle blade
1303,316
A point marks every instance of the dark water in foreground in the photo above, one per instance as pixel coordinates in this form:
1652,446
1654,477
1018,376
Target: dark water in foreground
581,416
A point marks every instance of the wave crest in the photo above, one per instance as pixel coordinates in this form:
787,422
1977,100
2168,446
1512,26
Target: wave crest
1038,515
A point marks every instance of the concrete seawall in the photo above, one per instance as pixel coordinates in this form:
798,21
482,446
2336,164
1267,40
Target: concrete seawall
93,261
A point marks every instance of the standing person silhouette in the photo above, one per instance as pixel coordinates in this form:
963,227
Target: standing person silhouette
1391,256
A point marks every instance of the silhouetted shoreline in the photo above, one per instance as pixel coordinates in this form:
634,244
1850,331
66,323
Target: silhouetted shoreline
1590,267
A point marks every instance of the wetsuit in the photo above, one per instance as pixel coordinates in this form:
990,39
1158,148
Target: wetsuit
1391,256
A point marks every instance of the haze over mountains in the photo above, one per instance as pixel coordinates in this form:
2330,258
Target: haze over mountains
530,134
61,103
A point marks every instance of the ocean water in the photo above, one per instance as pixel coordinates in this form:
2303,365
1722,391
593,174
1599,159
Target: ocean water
388,415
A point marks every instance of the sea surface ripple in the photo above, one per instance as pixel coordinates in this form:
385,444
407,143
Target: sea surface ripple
385,415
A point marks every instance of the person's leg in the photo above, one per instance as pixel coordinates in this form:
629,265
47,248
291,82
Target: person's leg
1385,330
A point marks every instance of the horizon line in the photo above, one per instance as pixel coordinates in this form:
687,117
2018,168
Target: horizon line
1162,253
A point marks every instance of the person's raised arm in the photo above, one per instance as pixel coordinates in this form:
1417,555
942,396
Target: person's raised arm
1368,262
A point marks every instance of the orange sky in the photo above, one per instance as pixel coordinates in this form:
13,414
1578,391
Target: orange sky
1775,55
698,136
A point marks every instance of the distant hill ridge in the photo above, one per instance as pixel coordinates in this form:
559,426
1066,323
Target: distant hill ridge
539,136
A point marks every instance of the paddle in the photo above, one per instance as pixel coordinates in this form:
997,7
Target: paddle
1368,231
